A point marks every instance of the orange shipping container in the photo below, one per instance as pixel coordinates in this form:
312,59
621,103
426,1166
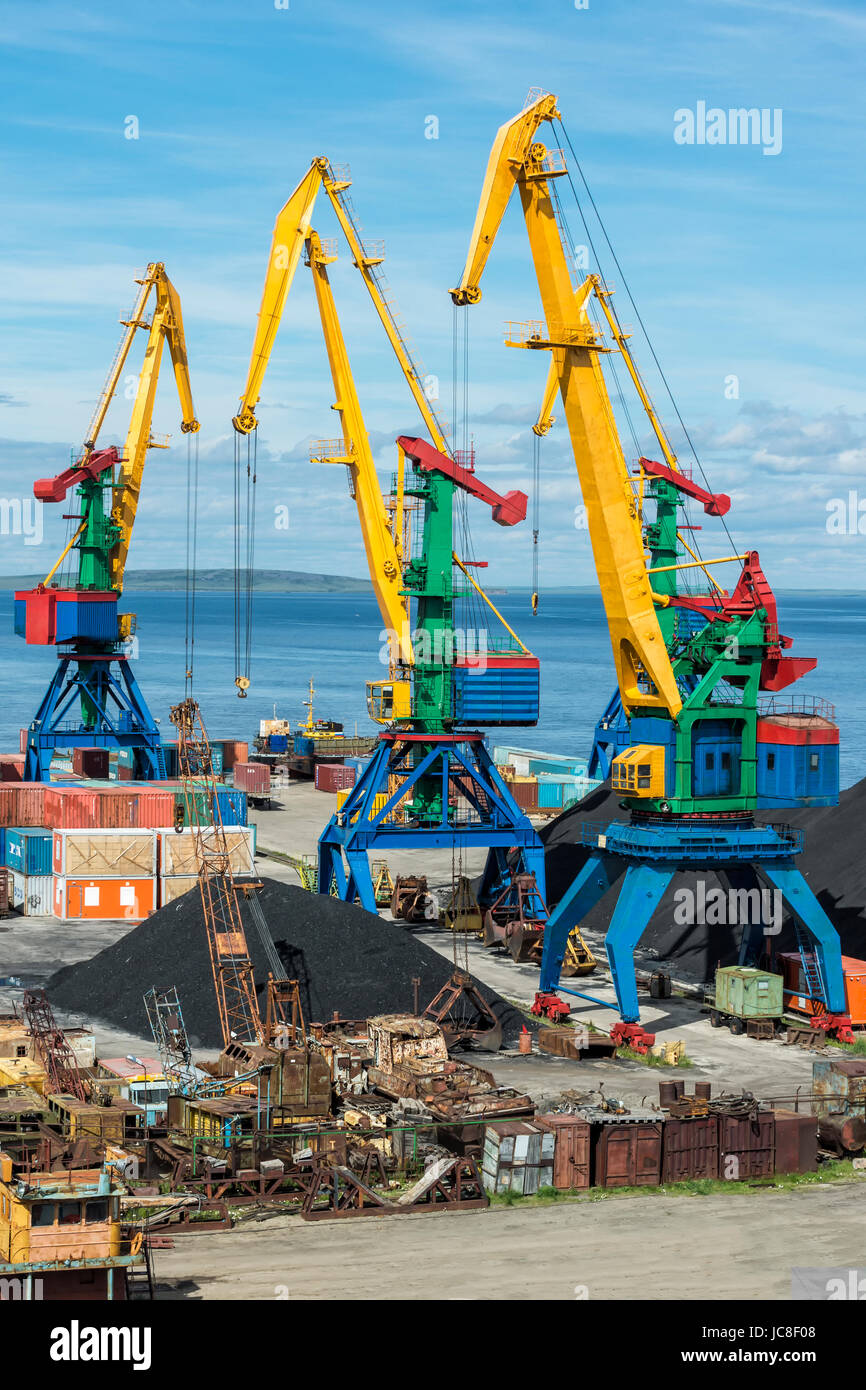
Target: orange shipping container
22,803
103,899
797,1002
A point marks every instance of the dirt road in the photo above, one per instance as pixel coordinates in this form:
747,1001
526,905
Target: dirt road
731,1245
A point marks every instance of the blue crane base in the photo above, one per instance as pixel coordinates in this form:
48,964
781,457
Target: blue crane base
90,705
478,811
645,856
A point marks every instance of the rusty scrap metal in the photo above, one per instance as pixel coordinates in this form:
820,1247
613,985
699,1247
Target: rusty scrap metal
63,1076
464,1015
411,901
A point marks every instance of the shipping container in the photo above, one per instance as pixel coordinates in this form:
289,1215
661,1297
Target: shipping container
626,1151
748,993
12,767
140,806
796,996
278,743
502,690
172,888
796,1147
334,777
253,778
525,793
839,1086
177,851
169,758
103,899
233,751
5,892
517,1157
32,894
27,850
380,801
105,853
690,1148
22,803
90,762
571,1153
23,735
746,1146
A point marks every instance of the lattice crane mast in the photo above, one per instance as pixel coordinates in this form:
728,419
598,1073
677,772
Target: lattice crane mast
231,965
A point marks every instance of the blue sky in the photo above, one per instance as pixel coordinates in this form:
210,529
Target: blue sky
742,264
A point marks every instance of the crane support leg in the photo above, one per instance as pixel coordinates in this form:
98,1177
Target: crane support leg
600,872
640,895
799,897
391,807
89,704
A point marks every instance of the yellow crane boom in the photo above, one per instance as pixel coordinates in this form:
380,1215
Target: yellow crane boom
644,672
291,231
166,325
382,548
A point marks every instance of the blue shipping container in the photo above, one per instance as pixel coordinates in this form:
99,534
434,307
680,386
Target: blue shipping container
499,695
233,805
278,743
28,851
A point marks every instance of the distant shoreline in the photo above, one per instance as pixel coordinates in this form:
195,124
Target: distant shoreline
213,581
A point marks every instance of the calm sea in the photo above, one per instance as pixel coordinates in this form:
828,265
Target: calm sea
335,639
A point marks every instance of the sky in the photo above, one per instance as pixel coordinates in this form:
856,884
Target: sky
744,259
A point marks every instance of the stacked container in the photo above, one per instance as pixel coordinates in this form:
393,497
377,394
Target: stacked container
27,855
178,867
104,874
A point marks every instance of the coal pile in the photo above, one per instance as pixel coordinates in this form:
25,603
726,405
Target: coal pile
344,959
833,862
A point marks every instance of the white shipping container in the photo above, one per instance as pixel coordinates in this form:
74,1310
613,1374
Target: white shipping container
105,853
177,851
32,894
175,887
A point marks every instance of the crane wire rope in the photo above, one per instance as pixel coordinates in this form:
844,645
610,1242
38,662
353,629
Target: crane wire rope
191,560
244,556
637,314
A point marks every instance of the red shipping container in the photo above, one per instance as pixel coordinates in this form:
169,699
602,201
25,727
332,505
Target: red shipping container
94,808
334,777
90,762
22,803
22,740
252,777
12,767
525,794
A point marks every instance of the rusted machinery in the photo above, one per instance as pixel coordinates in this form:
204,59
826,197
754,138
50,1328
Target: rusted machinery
383,883
516,920
462,912
464,1015
411,901
448,1184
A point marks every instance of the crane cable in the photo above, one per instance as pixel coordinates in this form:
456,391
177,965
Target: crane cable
536,511
244,557
191,562
649,343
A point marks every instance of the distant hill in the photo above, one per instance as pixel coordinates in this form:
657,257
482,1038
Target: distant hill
220,581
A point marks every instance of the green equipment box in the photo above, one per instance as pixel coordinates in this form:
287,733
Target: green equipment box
748,993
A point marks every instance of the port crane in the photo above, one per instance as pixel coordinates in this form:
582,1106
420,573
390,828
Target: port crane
94,699
698,675
431,781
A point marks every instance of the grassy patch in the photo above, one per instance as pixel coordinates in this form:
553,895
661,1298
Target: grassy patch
834,1171
648,1060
